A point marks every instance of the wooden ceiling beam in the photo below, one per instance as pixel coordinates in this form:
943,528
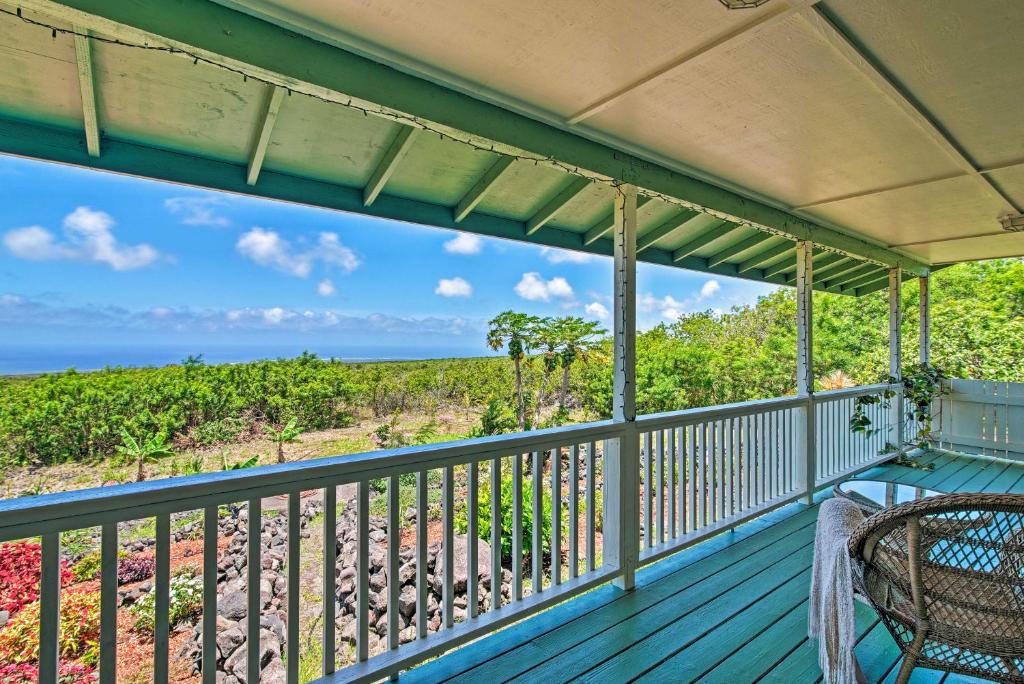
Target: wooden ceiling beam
480,188
556,204
399,147
652,236
87,86
259,148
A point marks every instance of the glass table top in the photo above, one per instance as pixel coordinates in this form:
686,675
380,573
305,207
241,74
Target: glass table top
882,494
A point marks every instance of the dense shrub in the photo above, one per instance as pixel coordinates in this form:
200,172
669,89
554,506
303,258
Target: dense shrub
484,523
88,567
20,564
79,630
186,601
135,569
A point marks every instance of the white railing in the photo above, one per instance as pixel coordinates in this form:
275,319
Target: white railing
840,452
701,471
984,417
460,465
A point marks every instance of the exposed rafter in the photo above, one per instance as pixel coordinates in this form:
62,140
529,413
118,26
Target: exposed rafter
758,23
822,260
480,188
87,85
397,150
708,234
765,256
605,224
743,245
837,269
908,104
551,208
864,281
781,267
306,65
259,148
670,226
841,282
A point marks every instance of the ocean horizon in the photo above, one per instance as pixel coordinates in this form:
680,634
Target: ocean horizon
25,360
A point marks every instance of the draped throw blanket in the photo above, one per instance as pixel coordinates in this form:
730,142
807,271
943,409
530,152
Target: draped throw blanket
831,618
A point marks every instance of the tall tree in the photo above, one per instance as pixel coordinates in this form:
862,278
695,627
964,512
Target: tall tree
579,340
514,331
548,339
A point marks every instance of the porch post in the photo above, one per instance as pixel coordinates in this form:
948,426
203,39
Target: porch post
895,354
806,465
622,458
924,311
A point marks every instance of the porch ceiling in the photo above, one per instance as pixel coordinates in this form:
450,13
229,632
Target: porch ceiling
744,130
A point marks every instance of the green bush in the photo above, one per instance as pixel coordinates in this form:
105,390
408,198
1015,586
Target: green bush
219,431
87,568
186,601
484,524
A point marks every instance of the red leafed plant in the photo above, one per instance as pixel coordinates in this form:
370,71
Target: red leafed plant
79,630
20,564
70,673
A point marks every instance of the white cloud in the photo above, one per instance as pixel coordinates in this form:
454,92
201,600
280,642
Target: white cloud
597,310
668,307
453,287
710,289
533,287
275,315
464,243
564,256
88,236
325,288
268,248
198,211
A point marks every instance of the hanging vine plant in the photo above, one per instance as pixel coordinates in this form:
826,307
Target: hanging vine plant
922,384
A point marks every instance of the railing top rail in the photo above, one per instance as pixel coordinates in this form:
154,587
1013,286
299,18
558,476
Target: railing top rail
88,507
656,421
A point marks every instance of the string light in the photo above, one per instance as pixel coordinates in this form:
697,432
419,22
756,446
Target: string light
402,117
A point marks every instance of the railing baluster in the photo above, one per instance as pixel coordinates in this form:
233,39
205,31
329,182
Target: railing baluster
294,565
448,523
394,547
556,516
574,511
253,567
690,496
363,571
537,564
716,473
161,607
496,533
210,532
671,484
517,533
659,486
591,499
748,498
108,603
49,608
422,588
330,533
729,453
704,496
648,536
472,525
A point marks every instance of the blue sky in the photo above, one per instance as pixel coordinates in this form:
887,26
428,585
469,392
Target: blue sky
97,268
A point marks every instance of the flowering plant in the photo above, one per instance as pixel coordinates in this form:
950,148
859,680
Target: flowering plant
20,564
79,630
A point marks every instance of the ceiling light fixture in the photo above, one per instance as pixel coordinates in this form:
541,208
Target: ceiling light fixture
1012,222
742,4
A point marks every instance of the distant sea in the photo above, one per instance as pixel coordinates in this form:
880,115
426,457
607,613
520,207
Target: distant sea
42,359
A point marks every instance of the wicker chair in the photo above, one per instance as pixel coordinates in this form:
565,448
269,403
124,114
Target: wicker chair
946,575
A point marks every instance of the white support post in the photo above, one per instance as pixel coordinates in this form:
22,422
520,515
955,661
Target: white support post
806,429
924,311
895,316
622,459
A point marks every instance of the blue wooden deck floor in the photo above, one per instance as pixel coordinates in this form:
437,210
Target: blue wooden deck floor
733,609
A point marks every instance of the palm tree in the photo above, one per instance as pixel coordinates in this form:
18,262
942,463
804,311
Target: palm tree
547,336
286,435
144,451
516,332
579,339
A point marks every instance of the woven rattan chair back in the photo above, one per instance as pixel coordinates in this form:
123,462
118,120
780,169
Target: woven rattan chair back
946,575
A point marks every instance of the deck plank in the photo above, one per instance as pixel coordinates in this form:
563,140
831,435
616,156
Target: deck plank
732,609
